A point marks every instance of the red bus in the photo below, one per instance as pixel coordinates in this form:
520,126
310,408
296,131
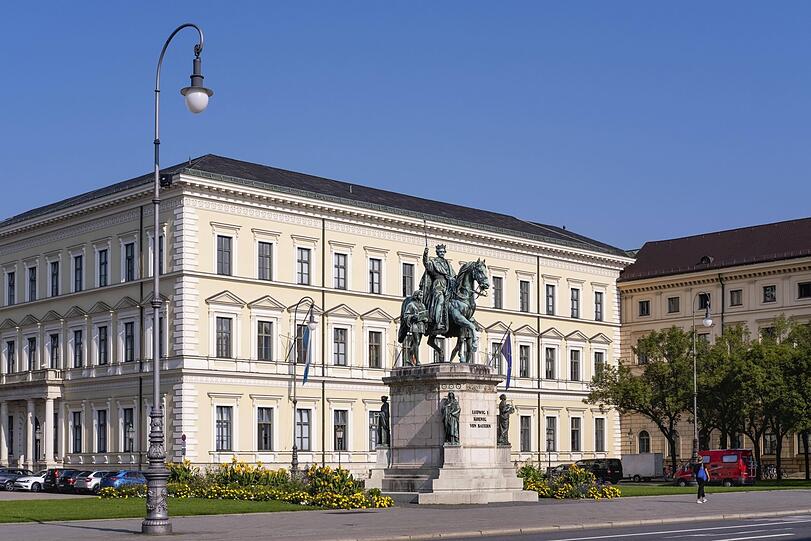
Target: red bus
726,467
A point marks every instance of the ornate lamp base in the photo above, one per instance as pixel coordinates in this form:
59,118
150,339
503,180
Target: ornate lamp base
157,513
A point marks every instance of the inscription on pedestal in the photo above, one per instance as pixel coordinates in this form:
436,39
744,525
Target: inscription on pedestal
480,419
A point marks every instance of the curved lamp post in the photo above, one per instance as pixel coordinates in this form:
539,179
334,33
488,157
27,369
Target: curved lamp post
157,514
707,322
312,325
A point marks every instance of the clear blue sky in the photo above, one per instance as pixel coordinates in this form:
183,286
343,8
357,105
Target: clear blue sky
624,121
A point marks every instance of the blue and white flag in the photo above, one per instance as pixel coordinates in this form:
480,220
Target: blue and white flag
507,351
305,350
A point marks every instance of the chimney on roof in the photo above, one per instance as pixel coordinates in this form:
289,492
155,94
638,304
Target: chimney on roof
564,228
350,188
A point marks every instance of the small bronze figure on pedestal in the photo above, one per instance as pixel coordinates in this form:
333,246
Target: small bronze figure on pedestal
504,412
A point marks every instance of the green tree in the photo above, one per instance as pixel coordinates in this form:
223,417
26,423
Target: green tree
798,373
660,390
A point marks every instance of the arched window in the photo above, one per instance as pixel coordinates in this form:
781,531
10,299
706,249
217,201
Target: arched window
644,442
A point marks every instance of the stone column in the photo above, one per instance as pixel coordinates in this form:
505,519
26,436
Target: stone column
3,433
48,431
29,435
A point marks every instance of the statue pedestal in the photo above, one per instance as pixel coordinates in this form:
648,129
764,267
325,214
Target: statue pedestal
418,466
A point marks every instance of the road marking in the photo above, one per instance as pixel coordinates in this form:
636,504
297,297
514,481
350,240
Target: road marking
757,537
698,530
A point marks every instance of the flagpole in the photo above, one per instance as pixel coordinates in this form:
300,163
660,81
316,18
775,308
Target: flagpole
294,348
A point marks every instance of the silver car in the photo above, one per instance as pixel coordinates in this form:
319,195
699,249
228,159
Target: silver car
89,481
34,483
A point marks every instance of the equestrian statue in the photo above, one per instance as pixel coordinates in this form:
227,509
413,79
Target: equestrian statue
443,306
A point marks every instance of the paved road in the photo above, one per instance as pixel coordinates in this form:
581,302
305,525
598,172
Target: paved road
25,495
793,528
425,522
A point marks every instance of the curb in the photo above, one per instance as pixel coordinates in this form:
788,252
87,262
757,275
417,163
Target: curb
577,526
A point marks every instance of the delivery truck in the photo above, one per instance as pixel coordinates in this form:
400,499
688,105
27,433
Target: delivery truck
643,466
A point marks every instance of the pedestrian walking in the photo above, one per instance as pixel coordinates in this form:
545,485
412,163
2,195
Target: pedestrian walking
702,476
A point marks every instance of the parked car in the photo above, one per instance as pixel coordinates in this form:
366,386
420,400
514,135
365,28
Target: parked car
9,475
51,479
34,483
63,482
726,467
642,466
123,478
558,470
90,482
606,470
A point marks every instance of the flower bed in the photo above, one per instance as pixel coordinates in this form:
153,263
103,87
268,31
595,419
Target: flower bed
573,483
320,487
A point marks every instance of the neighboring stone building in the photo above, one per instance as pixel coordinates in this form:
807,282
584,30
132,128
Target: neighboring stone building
245,243
751,276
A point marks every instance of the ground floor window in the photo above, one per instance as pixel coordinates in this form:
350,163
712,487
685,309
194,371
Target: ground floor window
644,442
303,429
599,435
340,429
374,416
526,433
224,428
264,429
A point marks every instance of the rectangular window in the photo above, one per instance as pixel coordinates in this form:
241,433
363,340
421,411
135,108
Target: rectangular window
103,268
523,295
224,337
161,342
303,266
129,341
439,356
575,434
54,278
303,429
340,271
703,301
104,349
551,434
641,358
523,361
769,444
375,272
11,357
54,351
301,352
339,347
129,262
374,416
264,429
804,290
78,273
574,364
78,353
736,297
375,349
526,433
10,289
160,254
340,434
550,300
224,255
224,428
575,303
101,431
498,292
550,363
129,430
32,353
599,362
769,293
598,306
11,435
265,262
77,432
672,305
32,284
599,435
264,340
408,279
644,308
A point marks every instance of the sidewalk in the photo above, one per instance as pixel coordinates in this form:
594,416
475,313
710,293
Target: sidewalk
415,522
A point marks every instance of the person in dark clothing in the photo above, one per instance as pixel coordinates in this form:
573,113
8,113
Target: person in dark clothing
702,476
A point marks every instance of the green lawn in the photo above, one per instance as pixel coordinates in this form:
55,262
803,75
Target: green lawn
632,489
94,508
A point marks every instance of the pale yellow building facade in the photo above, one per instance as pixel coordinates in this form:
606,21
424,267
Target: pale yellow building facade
751,276
241,245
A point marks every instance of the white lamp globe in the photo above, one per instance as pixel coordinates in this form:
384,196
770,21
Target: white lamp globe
707,321
312,325
196,98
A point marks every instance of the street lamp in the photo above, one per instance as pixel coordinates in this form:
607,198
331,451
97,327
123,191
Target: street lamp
312,325
339,437
157,514
707,322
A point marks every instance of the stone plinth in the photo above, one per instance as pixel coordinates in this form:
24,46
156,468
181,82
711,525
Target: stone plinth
418,463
